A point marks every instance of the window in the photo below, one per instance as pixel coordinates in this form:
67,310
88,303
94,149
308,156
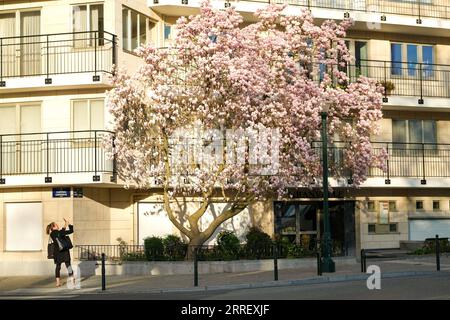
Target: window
383,215
370,205
407,59
24,226
20,118
134,29
296,221
392,206
167,31
87,114
412,59
419,205
371,228
396,59
392,227
427,59
87,19
436,205
26,59
414,131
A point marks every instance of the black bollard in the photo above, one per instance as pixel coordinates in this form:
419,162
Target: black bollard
103,273
438,254
275,262
195,268
319,263
363,261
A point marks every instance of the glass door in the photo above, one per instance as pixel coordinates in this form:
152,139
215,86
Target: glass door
30,47
31,146
8,127
297,222
8,29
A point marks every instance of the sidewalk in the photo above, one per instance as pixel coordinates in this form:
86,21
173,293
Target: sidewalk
392,268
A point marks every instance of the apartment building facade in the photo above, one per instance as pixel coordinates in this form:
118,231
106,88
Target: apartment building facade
56,59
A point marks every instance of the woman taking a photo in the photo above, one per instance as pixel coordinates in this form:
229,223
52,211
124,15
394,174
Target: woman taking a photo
62,246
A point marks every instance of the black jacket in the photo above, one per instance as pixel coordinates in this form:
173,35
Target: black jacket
63,256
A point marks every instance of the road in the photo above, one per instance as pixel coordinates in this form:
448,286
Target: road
421,287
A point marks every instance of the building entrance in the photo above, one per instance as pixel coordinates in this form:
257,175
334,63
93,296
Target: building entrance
301,222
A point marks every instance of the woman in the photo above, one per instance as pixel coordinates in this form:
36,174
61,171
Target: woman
60,256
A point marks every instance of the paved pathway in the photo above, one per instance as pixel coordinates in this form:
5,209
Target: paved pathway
45,285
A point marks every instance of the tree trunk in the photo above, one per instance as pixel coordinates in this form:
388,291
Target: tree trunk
194,243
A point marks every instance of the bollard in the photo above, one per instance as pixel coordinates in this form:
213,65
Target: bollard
438,254
363,261
319,263
103,273
275,262
195,268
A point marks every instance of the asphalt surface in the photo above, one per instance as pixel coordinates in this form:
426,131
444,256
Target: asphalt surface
430,287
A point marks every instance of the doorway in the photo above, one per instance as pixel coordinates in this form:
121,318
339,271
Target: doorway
22,144
301,222
22,50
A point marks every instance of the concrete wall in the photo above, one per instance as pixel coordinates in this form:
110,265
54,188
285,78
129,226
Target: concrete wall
405,209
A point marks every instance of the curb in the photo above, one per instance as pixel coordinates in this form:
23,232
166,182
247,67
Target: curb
280,283
266,284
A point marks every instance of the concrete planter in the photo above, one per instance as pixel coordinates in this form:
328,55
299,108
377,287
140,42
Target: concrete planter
155,268
187,267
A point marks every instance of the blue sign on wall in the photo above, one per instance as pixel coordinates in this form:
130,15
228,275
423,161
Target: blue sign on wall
61,192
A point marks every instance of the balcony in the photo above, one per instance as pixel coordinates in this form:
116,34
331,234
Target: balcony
439,9
40,62
69,157
391,13
407,164
416,81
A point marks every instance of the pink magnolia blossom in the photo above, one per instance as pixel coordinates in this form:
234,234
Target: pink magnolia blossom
219,75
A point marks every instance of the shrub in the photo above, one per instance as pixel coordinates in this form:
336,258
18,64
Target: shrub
259,244
154,248
295,251
298,251
174,248
133,256
282,244
228,245
421,251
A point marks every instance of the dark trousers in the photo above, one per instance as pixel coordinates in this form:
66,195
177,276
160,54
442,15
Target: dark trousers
58,269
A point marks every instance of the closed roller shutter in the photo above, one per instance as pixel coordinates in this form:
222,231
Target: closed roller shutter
420,229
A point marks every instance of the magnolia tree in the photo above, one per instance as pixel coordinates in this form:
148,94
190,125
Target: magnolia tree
234,113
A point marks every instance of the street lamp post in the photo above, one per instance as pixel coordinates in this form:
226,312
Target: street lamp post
327,263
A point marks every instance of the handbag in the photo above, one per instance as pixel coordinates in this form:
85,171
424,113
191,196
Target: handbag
64,243
50,249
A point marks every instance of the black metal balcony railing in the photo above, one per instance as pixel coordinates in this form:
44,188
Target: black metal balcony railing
405,78
417,8
59,53
85,152
404,160
55,153
112,252
439,9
